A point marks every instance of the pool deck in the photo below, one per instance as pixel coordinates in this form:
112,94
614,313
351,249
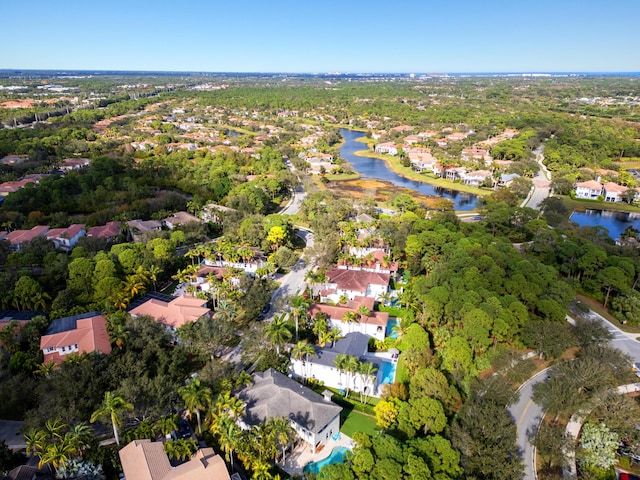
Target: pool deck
303,454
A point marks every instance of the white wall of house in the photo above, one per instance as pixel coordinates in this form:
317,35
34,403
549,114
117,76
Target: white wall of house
332,377
375,331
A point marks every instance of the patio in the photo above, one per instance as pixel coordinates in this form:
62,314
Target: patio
303,454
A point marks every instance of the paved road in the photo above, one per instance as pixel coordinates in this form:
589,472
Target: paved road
541,183
297,198
527,414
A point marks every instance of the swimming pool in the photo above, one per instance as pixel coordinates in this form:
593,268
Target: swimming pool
387,372
338,454
390,324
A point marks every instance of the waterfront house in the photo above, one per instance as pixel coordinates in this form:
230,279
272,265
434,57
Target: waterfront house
612,192
314,417
388,148
591,189
476,178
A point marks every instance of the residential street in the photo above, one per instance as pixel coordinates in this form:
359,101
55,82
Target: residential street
527,414
541,183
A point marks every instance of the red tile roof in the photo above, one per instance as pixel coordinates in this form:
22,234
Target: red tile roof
18,237
90,334
356,280
177,312
110,230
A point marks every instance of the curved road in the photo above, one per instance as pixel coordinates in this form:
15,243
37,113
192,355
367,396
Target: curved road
541,183
527,414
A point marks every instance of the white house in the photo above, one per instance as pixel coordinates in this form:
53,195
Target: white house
589,190
66,238
322,367
354,283
476,178
314,417
612,192
388,148
373,325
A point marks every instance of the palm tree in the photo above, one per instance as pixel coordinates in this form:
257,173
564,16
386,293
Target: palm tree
56,454
277,332
351,367
299,305
53,428
196,397
226,310
229,436
112,407
336,335
340,362
227,404
81,434
153,272
350,318
284,433
45,369
324,338
118,336
167,424
303,352
35,440
366,371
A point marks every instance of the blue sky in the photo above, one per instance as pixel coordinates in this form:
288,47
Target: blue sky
322,36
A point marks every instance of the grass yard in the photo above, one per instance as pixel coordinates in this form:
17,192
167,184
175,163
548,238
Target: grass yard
353,422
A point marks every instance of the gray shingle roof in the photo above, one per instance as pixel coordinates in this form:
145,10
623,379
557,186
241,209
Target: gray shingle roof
276,395
354,343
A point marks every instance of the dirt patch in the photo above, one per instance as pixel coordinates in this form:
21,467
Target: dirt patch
382,191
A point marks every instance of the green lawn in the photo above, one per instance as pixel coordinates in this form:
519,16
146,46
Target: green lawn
353,422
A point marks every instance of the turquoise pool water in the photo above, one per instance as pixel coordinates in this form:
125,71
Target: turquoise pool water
338,454
387,372
390,332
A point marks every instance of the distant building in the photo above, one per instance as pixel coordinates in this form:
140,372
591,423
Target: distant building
590,190
18,238
66,238
74,164
179,219
172,313
109,231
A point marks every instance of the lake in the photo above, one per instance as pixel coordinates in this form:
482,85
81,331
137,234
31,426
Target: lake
374,168
614,222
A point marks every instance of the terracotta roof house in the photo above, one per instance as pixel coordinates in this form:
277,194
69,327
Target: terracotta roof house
314,417
9,187
174,313
591,189
373,261
180,218
389,148
84,333
66,238
109,231
373,325
18,237
612,192
354,283
147,460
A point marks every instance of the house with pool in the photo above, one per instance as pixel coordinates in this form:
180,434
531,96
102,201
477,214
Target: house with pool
314,417
374,324
322,367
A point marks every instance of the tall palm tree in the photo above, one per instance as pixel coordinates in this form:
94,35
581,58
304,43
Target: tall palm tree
351,367
226,310
299,305
284,433
340,362
303,351
366,371
277,332
112,408
227,404
229,436
336,335
196,397
350,318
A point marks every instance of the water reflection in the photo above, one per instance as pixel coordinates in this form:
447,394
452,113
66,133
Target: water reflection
613,222
374,168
